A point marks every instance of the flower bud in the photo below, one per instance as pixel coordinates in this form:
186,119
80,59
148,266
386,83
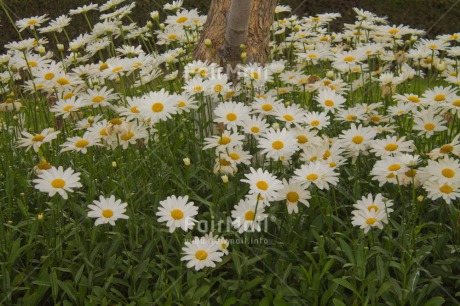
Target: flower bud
186,161
208,42
224,179
60,47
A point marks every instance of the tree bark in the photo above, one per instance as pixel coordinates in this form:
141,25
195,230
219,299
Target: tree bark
260,20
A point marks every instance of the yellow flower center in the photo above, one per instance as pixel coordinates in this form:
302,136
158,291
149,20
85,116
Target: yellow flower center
107,213
393,31
177,214
172,36
292,197
103,67
81,143
157,107
288,117
456,103
373,206
348,59
97,99
38,137
326,154
224,140
32,22
224,162
376,118
68,96
312,177
411,173
433,46
44,165
358,139
429,126
277,145
127,136
231,117
447,172
413,99
218,88
32,64
267,107
371,221
58,183
394,167
182,19
351,117
314,123
312,56
302,139
197,88
68,108
234,156
116,69
63,81
181,104
440,97
116,121
262,185
255,129
103,132
329,103
255,75
391,147
249,215
446,149
446,189
49,76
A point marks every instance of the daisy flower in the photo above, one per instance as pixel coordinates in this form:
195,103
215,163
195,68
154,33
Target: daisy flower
449,148
263,183
201,253
177,212
357,139
370,203
247,215
64,108
80,144
428,122
317,173
226,140
232,114
291,115
265,105
442,171
366,219
36,140
294,192
98,97
389,170
107,210
449,192
330,100
157,106
316,120
57,180
30,23
255,125
277,143
391,145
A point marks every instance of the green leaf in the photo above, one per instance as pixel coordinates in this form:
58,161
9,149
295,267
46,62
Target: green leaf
344,283
436,301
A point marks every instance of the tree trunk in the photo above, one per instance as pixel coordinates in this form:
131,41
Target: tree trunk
257,46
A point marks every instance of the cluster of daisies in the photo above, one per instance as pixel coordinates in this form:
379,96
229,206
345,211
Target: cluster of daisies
324,104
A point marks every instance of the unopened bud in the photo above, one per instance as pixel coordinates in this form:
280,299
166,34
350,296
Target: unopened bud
162,26
276,126
224,179
41,50
155,15
149,24
413,39
420,198
244,56
186,161
243,47
60,47
114,164
330,74
208,42
40,217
